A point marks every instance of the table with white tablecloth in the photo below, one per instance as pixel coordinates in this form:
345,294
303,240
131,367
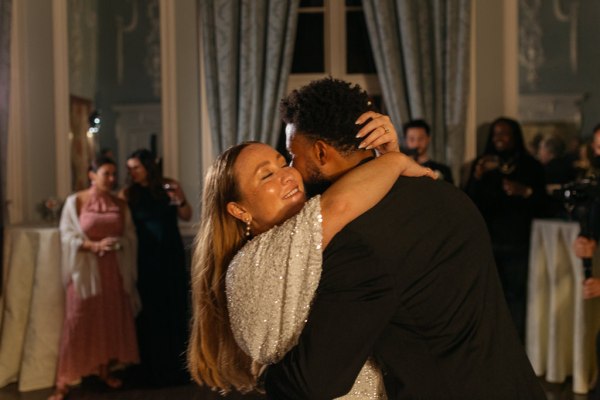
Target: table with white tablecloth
31,307
561,325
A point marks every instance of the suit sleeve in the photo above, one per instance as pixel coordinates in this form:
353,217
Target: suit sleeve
354,302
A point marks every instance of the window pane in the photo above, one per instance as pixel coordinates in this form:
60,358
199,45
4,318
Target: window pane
359,56
311,3
309,53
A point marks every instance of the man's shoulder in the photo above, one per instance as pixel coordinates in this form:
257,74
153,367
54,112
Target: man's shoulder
414,188
412,203
432,164
441,168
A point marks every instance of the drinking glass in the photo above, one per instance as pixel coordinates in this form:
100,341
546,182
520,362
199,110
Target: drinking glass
171,188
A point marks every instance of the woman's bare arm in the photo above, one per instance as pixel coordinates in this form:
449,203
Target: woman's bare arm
362,188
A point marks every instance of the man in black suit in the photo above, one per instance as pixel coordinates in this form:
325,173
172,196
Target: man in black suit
411,282
417,136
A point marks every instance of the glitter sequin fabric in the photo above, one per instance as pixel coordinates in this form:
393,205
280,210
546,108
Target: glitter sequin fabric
271,283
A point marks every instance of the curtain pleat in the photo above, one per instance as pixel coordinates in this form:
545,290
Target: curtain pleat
421,50
5,26
248,49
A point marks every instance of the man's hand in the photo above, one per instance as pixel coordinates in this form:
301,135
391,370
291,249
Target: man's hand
485,164
584,247
513,188
591,288
379,133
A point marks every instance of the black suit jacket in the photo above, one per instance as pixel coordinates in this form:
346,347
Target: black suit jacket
444,170
413,283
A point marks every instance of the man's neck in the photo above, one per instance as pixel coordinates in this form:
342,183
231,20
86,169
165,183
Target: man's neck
346,163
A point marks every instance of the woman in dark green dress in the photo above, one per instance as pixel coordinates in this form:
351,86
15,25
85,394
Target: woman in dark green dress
156,204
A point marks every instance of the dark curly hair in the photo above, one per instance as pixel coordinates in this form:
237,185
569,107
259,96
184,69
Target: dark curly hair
327,109
517,133
133,192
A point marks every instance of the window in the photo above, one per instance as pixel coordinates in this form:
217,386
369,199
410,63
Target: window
332,39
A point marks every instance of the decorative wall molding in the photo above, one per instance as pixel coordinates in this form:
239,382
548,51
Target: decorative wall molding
122,29
15,199
531,52
169,88
152,62
82,34
532,56
135,125
61,98
572,18
551,108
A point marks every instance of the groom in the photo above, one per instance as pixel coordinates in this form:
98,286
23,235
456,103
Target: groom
412,282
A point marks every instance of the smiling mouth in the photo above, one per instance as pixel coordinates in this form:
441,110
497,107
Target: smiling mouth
291,193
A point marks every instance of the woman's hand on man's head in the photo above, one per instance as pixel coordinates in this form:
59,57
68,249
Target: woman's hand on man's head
379,133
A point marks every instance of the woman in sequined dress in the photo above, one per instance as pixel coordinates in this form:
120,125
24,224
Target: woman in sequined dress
251,192
99,271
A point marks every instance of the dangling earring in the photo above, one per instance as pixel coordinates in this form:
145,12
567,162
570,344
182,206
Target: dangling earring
248,233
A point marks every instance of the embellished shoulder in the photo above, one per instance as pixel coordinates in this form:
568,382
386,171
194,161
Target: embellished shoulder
271,283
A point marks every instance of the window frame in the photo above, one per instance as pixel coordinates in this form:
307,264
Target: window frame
334,18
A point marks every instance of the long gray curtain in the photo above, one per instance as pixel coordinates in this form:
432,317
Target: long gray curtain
5,24
248,49
421,50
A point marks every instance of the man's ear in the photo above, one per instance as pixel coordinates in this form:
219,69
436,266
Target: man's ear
237,211
322,151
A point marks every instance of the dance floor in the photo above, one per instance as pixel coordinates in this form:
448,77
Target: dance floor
96,391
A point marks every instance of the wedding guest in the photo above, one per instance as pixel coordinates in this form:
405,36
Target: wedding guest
156,204
417,135
586,248
558,170
99,272
507,184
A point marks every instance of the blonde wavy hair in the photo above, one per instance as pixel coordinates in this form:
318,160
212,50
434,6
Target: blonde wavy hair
214,358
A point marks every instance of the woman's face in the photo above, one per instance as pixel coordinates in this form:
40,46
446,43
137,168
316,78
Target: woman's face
104,178
271,191
137,171
503,137
596,144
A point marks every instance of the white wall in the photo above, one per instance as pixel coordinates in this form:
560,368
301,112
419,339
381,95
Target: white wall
494,65
188,102
32,172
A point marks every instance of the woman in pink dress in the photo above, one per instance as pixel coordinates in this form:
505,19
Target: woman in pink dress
99,267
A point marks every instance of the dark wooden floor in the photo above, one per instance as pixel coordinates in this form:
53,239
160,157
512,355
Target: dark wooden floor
95,391
188,392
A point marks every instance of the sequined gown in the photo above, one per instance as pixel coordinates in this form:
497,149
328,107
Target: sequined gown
100,328
270,286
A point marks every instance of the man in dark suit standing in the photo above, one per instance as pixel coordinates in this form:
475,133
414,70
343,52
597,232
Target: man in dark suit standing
411,282
417,136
